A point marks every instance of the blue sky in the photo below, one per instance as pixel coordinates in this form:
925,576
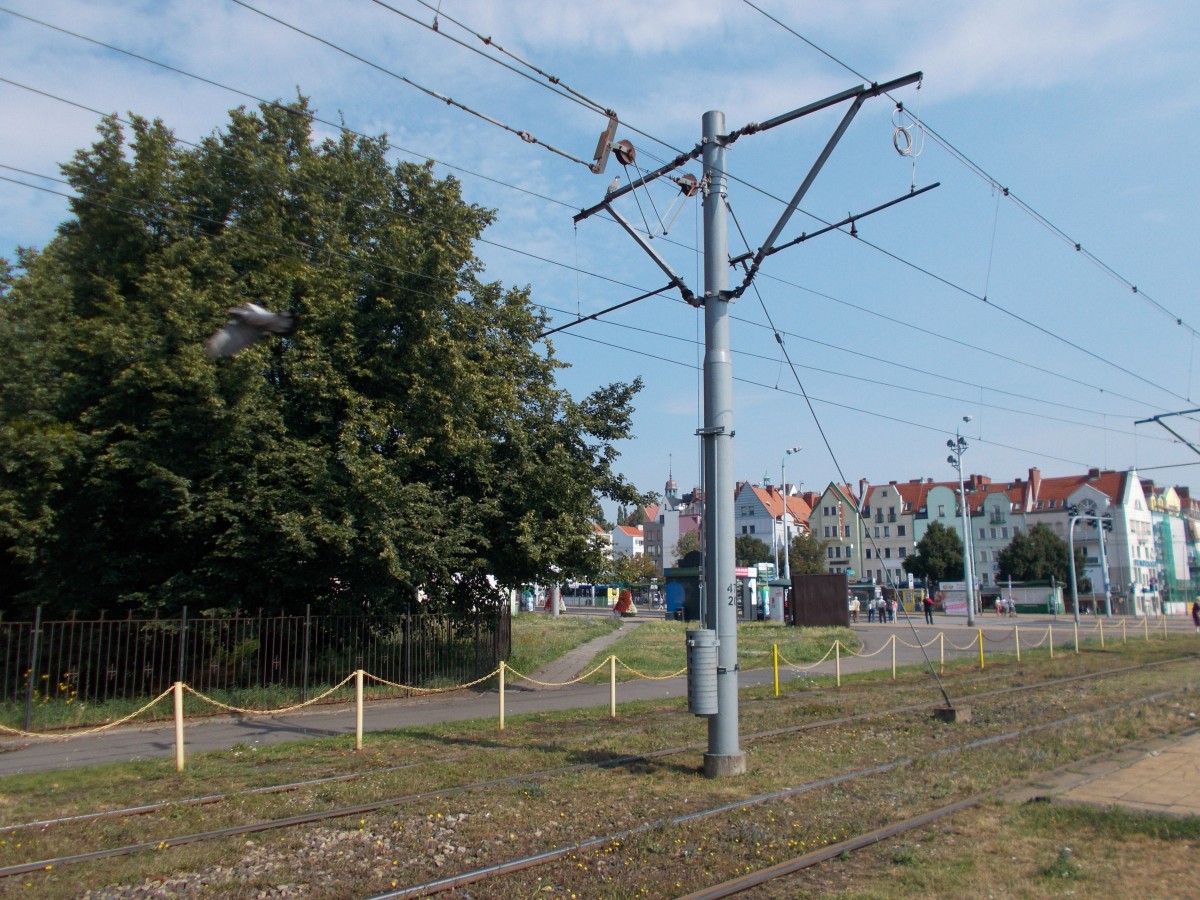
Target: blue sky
1085,110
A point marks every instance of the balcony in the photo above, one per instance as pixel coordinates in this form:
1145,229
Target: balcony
997,517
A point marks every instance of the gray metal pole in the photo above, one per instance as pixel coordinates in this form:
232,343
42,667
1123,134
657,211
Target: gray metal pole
724,756
1071,557
1104,568
34,639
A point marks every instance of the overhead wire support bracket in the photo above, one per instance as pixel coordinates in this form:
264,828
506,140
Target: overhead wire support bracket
653,254
1159,421
680,160
860,95
834,226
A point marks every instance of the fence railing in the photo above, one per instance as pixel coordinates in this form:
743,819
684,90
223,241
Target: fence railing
102,660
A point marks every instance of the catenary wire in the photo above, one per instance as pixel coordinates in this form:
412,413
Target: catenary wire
306,246
580,320
450,101
343,128
995,183
242,93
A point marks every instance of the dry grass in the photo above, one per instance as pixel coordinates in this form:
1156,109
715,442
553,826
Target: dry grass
446,830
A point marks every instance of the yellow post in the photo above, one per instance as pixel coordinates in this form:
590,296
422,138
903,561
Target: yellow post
837,657
1076,638
1146,626
1017,638
1050,632
980,649
358,708
612,686
501,695
942,646
1101,634
775,664
1164,618
1124,639
179,726
893,657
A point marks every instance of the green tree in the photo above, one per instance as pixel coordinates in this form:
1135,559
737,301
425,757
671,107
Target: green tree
807,555
939,555
408,442
636,517
1039,555
688,542
631,570
748,550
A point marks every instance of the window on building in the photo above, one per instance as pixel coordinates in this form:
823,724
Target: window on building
983,534
900,532
868,553
829,551
993,534
743,529
887,552
847,530
941,510
1004,533
887,530
983,555
752,529
903,552
876,531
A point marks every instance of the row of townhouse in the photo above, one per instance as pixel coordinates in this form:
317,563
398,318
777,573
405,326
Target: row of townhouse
1153,549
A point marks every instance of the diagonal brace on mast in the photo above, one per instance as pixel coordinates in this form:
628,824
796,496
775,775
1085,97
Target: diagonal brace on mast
653,254
860,96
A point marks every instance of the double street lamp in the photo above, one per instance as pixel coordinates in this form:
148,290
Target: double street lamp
777,614
958,446
1102,524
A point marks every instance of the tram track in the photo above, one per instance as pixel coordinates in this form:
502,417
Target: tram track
318,816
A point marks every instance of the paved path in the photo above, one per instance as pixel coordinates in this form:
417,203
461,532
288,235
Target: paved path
137,743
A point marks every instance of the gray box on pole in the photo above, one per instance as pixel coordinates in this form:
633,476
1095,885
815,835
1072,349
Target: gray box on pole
702,646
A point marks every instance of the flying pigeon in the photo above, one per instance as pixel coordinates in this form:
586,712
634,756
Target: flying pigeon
248,324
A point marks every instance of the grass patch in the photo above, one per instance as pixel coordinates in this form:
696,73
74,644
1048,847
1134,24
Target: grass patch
540,639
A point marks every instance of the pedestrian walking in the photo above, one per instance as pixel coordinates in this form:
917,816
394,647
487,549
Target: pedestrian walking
871,610
1196,614
854,607
928,604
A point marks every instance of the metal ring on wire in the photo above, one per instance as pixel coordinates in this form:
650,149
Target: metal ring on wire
903,147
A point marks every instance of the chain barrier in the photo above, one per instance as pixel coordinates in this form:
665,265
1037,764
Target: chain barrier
247,711
17,732
441,690
974,641
610,662
800,668
630,668
918,646
575,680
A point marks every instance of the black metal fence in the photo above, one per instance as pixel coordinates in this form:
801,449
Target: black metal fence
121,659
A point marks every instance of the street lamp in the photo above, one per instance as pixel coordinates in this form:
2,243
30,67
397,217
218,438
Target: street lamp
777,614
1102,524
958,447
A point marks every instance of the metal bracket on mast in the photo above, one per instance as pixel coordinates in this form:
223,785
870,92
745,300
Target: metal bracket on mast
861,95
1159,420
653,254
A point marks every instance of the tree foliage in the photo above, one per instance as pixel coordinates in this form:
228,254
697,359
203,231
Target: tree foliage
688,541
749,550
807,555
939,555
409,441
630,570
1039,555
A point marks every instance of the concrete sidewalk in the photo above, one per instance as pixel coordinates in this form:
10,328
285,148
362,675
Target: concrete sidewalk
1157,776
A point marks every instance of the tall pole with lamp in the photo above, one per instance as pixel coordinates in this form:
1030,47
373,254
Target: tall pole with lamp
777,614
958,446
